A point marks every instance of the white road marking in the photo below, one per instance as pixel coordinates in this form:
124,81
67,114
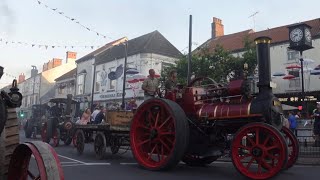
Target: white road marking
94,164
70,165
128,163
71,159
68,162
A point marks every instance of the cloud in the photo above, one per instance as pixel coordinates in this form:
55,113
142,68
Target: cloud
7,18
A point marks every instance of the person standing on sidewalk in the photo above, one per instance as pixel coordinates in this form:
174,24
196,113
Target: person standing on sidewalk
293,123
316,125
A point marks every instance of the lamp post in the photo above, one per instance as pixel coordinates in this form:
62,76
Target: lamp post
302,83
124,74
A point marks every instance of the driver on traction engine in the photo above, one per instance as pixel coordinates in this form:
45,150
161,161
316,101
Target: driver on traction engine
150,85
171,86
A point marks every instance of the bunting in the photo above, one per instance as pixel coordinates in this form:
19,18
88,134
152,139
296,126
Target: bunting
46,46
56,10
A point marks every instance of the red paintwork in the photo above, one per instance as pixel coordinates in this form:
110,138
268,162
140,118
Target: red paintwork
260,149
153,152
234,87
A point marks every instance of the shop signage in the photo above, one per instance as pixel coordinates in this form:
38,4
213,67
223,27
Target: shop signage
296,99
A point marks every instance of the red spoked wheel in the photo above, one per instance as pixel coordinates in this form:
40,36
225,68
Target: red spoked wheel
293,147
195,160
56,137
159,134
259,151
44,166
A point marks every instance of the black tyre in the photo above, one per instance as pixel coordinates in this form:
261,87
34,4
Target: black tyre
100,145
192,160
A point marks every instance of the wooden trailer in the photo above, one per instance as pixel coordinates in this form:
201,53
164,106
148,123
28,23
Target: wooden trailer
113,133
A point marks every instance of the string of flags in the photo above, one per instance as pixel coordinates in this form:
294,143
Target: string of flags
72,19
46,46
9,75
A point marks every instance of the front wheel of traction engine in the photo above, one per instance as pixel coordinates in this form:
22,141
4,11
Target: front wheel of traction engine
259,151
159,134
45,158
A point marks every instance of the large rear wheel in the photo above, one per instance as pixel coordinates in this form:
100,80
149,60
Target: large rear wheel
159,134
259,151
47,162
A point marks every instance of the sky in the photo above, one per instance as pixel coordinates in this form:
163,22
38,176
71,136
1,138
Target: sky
27,21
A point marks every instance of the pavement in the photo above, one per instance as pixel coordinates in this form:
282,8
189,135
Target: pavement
122,166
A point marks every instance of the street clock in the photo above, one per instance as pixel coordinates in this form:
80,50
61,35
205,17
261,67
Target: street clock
300,37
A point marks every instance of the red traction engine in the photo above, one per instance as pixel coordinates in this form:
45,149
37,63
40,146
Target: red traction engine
210,120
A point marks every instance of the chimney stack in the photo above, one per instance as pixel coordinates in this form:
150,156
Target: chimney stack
34,71
22,77
217,29
71,56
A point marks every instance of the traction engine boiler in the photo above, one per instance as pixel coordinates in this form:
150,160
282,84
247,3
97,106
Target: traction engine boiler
209,120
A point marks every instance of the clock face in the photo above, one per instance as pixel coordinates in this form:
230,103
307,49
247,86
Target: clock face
307,34
296,35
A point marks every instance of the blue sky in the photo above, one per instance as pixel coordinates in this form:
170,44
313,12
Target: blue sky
27,21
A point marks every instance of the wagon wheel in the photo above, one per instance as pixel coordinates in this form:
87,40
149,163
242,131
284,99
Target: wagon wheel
259,151
48,164
293,147
114,144
194,160
100,145
80,141
56,137
68,127
159,134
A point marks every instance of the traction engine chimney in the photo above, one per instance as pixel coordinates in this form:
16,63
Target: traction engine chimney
263,56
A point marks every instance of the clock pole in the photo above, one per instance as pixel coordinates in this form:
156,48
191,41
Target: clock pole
302,85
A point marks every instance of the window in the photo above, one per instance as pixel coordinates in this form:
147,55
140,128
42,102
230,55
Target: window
80,84
112,83
98,82
294,83
292,55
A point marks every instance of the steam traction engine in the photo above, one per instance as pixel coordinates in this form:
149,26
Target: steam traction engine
210,119
14,157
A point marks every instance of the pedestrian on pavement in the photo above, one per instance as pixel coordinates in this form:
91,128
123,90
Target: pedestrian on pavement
100,116
316,125
150,85
293,123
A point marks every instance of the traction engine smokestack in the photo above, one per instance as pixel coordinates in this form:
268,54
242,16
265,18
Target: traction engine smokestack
263,55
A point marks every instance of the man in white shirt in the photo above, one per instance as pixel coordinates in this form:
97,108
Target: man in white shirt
95,112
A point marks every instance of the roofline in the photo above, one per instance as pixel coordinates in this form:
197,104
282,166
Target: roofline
316,37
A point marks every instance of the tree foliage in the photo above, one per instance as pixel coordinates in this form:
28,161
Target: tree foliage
220,65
